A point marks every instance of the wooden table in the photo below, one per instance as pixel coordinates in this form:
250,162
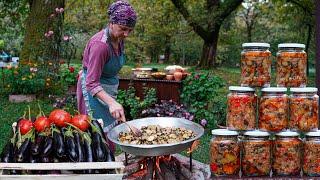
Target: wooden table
166,89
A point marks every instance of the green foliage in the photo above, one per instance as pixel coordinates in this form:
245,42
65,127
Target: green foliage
68,75
132,104
201,93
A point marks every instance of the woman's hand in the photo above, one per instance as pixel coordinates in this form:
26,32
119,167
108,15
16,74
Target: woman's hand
117,111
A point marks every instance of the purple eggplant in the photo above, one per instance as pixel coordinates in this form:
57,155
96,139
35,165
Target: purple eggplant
35,146
22,153
47,147
58,144
7,155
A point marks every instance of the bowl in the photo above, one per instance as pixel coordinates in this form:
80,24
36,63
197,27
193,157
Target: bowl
158,75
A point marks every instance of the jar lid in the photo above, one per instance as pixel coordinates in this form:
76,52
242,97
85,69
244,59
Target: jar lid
291,45
257,133
274,89
256,45
305,89
313,133
240,88
224,132
288,133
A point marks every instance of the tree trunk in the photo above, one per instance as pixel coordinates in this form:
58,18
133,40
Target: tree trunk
308,45
167,50
37,24
317,44
209,52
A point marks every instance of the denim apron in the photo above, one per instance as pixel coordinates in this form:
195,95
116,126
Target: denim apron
109,82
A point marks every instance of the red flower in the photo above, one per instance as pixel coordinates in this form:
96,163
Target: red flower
71,69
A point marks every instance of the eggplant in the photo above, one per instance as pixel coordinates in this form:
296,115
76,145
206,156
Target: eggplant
7,155
35,146
58,144
98,125
88,151
22,152
47,147
71,149
79,146
99,153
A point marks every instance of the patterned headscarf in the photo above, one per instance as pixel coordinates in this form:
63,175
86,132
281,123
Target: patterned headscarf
122,13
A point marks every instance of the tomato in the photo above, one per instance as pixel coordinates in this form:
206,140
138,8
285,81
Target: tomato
41,123
25,126
81,121
59,117
213,167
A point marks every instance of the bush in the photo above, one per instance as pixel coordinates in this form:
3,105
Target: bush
202,95
168,108
132,104
69,75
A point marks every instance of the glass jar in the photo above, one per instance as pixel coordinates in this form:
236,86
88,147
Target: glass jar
273,109
241,111
311,154
224,153
255,65
287,154
291,65
256,154
303,105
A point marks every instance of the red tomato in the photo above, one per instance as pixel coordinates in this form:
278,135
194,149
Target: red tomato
59,117
41,123
81,121
25,126
213,167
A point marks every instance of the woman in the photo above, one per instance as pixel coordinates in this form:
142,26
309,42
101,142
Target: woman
103,57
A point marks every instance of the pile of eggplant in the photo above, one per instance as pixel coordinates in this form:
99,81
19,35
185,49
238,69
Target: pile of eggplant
57,138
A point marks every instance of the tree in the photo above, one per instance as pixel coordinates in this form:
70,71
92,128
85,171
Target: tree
209,25
317,12
37,24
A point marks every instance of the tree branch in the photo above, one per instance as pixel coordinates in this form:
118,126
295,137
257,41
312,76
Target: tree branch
306,9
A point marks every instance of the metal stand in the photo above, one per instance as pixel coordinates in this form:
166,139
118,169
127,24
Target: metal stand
126,158
190,161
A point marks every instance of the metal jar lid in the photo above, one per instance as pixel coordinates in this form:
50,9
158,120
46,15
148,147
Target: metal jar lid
313,133
305,89
257,133
224,132
291,45
287,134
256,44
274,89
240,88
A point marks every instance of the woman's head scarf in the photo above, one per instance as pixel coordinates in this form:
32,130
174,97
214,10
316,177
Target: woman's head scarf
122,13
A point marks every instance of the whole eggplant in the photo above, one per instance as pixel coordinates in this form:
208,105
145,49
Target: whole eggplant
7,155
87,141
22,153
99,152
58,144
35,146
47,147
79,146
98,125
71,149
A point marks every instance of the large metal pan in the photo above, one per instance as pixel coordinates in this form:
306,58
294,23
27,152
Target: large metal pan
159,149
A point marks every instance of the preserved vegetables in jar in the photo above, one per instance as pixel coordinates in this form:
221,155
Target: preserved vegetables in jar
311,154
241,113
291,65
287,154
255,65
273,109
224,153
256,154
303,105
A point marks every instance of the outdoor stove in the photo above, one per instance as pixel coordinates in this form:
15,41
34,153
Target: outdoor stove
166,167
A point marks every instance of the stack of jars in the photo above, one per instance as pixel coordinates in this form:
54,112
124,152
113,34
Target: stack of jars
264,134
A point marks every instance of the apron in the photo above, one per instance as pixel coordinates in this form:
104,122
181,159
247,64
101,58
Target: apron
109,82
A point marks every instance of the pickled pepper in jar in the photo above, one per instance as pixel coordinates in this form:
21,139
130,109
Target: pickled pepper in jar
311,154
291,65
273,109
256,154
287,154
224,153
241,111
303,105
255,65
